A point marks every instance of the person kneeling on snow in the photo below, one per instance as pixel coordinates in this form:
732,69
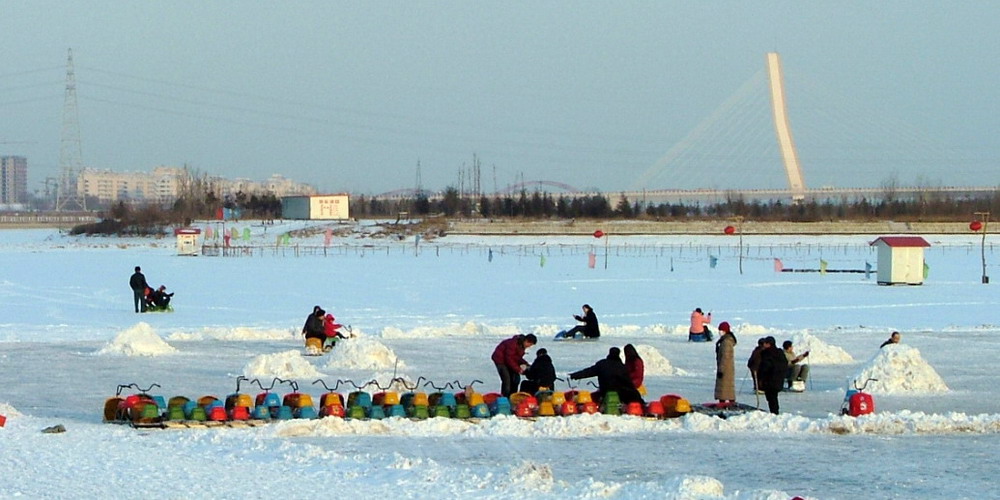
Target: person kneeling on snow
611,376
797,370
541,375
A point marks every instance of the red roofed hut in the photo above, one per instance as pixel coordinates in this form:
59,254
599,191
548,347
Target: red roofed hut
900,260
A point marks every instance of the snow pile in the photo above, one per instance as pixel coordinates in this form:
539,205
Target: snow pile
531,476
139,340
468,329
236,333
899,369
9,411
820,353
287,365
654,362
362,353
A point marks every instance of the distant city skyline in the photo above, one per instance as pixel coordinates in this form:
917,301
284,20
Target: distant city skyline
350,97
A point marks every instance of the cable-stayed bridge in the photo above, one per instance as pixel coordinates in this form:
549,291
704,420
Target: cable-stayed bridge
794,141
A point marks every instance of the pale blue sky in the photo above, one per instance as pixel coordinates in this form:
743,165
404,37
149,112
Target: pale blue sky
350,95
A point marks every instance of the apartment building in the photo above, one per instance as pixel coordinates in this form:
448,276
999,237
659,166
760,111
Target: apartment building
13,180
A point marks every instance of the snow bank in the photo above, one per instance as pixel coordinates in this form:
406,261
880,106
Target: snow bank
237,333
468,329
654,362
362,353
139,340
287,365
899,369
755,423
820,353
9,411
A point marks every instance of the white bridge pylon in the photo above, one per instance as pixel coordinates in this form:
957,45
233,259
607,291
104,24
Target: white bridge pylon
734,111
782,128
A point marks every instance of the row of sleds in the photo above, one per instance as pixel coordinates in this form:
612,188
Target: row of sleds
142,409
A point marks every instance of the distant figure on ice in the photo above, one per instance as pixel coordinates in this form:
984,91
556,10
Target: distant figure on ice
611,376
635,367
893,339
541,375
798,371
138,284
771,374
160,298
509,360
753,363
589,328
331,329
725,370
313,330
699,331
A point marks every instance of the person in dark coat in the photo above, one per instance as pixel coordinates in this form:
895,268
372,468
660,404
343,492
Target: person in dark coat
509,360
753,363
771,372
138,284
611,376
313,329
893,339
540,375
590,328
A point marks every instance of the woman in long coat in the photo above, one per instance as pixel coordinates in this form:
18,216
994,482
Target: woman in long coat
725,375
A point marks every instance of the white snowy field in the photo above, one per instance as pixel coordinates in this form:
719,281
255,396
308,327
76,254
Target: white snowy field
437,308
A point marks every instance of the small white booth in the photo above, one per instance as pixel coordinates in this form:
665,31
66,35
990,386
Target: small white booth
900,260
187,240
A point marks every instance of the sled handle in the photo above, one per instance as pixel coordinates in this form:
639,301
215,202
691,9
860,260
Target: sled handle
321,381
257,381
447,385
238,380
415,385
118,392
592,384
569,382
151,386
865,384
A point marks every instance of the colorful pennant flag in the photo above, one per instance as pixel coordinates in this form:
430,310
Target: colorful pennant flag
712,261
591,260
778,266
822,266
868,269
927,270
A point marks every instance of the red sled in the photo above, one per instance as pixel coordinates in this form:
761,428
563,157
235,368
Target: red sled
857,402
860,403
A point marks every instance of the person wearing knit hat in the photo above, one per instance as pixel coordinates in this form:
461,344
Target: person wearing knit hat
725,370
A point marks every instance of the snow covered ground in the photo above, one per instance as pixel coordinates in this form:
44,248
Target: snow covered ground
436,308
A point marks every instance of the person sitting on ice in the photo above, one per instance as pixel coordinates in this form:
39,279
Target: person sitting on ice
589,328
541,375
313,330
797,370
699,331
611,376
893,339
160,298
332,331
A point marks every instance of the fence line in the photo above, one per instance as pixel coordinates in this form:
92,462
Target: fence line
674,250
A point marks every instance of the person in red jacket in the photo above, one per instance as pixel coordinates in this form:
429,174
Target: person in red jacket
635,367
509,360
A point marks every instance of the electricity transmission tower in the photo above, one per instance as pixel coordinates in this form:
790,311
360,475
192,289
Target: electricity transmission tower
70,150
